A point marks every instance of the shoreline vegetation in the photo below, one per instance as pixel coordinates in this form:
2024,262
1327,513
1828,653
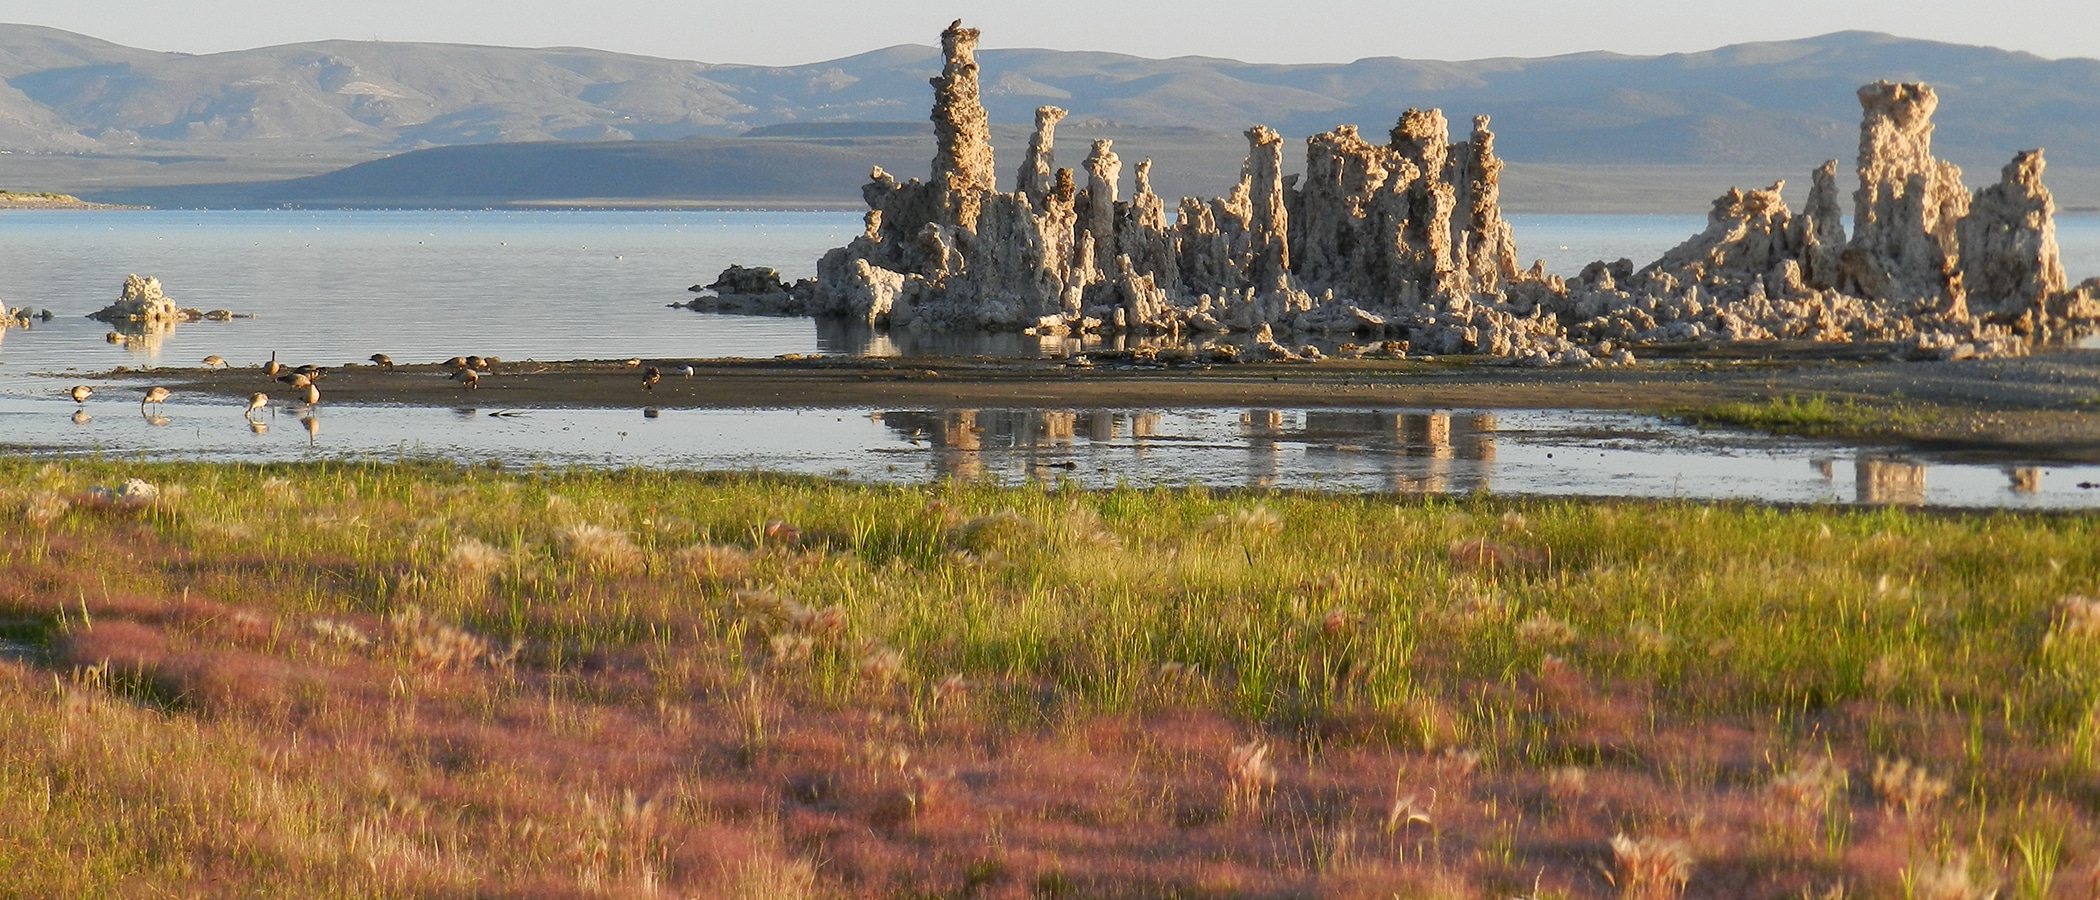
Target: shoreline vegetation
46,200
417,679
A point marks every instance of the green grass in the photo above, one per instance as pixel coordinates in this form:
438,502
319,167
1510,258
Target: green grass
1684,654
1815,416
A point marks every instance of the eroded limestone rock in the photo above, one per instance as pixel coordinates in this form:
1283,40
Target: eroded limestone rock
1404,244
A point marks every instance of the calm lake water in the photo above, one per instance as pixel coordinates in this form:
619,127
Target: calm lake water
330,287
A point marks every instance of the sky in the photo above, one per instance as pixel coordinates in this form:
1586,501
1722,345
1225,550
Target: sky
783,32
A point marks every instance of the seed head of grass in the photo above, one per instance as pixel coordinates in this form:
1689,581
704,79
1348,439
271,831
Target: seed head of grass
1567,785
881,665
1650,868
473,560
1904,786
1249,776
780,532
1251,523
45,507
718,563
434,644
1543,630
336,631
598,547
1482,554
1457,763
1000,532
950,690
1952,879
1805,791
2077,618
1407,811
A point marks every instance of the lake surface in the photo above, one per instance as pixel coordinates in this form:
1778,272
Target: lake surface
330,287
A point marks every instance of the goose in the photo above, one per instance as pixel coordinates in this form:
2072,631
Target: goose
633,362
80,393
382,360
296,379
649,380
272,367
456,363
312,396
468,379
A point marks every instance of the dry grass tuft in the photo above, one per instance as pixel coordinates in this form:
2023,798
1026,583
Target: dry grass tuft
599,548
716,563
1904,786
435,644
2078,617
1650,868
1001,532
45,507
1543,630
1481,554
471,560
1252,522
1249,776
1952,879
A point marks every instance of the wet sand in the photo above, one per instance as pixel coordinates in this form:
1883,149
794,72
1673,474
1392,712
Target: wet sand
2044,408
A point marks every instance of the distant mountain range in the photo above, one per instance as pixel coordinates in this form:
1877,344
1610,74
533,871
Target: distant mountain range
1780,106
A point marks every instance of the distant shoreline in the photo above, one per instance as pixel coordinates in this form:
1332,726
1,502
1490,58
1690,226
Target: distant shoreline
16,200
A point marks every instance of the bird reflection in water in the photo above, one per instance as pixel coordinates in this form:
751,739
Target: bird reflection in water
258,426
81,417
157,420
313,428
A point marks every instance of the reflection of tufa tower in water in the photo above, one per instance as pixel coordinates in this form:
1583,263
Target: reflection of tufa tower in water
1889,481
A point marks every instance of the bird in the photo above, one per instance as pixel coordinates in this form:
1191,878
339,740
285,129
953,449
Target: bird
296,379
312,396
456,363
157,396
214,361
257,402
382,360
634,363
476,362
272,367
312,372
80,393
468,379
489,362
687,371
650,379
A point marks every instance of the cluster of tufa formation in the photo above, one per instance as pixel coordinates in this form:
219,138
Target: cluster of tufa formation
1404,243
142,307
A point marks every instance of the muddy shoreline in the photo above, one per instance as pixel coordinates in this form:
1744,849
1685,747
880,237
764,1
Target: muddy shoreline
2044,407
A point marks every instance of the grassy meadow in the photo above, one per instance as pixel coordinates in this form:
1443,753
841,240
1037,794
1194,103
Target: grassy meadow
381,680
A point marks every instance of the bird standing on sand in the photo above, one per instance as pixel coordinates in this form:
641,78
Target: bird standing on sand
649,380
157,396
382,360
468,379
80,393
476,362
296,380
272,367
256,403
686,370
214,361
456,363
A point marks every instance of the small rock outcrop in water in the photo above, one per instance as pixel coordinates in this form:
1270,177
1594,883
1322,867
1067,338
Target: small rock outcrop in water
141,302
1405,240
142,307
